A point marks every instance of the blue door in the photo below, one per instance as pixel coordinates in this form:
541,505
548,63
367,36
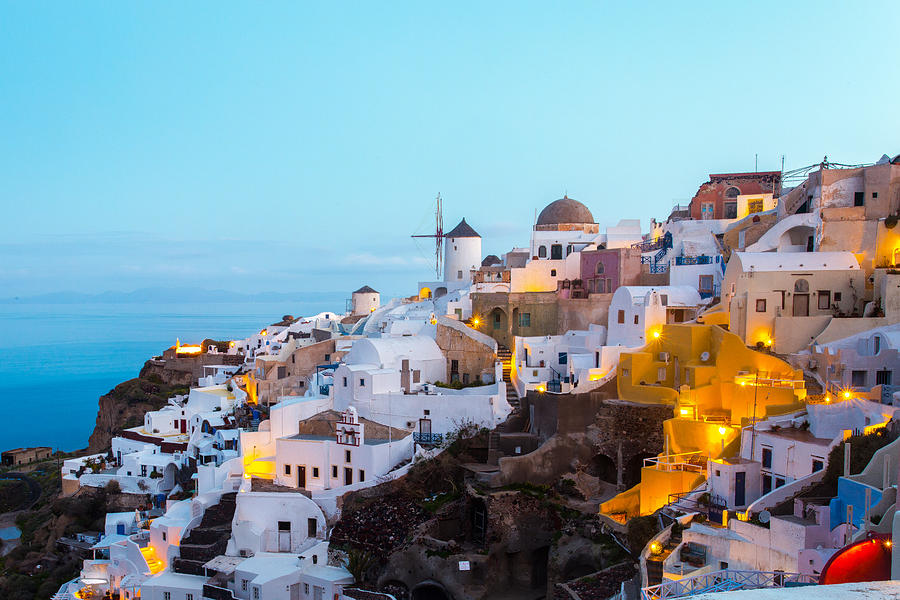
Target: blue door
740,495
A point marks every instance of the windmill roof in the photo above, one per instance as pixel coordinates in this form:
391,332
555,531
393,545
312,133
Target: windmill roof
365,290
462,230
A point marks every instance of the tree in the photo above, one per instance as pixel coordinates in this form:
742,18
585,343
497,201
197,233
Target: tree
358,563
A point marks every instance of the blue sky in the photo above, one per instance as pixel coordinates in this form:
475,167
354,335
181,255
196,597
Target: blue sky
289,146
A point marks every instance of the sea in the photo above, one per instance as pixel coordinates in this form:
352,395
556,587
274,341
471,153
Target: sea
56,360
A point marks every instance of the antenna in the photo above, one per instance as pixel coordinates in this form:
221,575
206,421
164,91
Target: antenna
438,236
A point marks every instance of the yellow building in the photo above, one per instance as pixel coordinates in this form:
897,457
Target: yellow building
715,385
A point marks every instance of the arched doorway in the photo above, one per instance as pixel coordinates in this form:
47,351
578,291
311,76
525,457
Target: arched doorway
604,468
430,590
425,293
440,292
498,325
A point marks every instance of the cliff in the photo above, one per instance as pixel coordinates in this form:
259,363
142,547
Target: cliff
124,406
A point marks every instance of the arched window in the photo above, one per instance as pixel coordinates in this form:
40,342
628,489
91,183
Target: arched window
732,193
542,252
599,268
801,286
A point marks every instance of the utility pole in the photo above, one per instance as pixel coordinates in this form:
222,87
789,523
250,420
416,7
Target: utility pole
753,418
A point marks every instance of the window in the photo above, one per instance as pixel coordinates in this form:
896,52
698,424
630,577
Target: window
143,470
766,458
362,382
801,286
188,597
287,469
525,319
255,592
779,482
542,252
817,464
164,536
315,472
282,372
167,595
706,211
552,272
556,252
327,358
417,376
284,525
311,526
362,475
459,274
563,358
636,319
347,456
858,378
732,193
569,249
315,559
706,283
661,374
664,299
244,585
767,484
345,382
883,377
454,366
621,316
761,305
859,199
600,268
730,210
874,195
837,296
334,471
824,299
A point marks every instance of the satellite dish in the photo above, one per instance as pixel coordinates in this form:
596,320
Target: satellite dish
764,516
704,356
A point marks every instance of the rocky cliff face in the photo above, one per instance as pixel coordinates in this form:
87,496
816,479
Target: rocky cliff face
124,406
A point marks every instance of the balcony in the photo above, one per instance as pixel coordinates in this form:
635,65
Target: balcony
725,581
693,260
428,439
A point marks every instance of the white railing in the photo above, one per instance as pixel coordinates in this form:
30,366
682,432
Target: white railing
724,581
685,461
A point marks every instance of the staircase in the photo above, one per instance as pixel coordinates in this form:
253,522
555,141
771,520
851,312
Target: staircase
505,356
208,540
154,564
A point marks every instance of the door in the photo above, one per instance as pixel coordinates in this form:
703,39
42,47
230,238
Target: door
740,488
348,475
801,305
182,425
301,476
284,536
295,591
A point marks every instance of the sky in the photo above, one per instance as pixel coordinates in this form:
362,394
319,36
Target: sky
293,146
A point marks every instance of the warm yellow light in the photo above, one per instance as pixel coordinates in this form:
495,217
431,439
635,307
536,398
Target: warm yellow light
231,344
847,395
656,334
723,430
372,309
541,389
655,548
743,384
188,350
685,412
475,321
888,543
264,332
827,399
769,343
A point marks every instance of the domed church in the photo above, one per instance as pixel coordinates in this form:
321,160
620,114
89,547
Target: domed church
564,226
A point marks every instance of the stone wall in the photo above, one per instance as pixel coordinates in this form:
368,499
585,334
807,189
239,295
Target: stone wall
501,314
474,358
579,313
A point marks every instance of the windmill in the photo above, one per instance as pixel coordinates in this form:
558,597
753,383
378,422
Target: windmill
438,236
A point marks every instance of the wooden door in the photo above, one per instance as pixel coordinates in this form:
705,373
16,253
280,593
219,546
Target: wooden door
301,476
801,305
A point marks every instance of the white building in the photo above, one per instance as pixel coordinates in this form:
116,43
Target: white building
636,310
275,522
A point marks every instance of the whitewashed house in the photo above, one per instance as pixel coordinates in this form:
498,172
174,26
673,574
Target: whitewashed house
635,311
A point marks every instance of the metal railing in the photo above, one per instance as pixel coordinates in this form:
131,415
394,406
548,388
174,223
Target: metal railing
659,268
428,438
724,581
703,259
684,461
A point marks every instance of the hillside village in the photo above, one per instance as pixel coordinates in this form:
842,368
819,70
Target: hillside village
594,414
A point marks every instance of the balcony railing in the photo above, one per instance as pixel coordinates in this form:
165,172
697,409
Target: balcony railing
685,461
724,581
428,438
659,268
693,260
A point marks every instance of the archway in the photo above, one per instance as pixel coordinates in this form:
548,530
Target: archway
631,475
168,481
440,292
425,293
430,590
604,468
800,238
498,325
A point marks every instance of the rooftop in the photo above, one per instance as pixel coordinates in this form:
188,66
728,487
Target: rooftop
462,230
565,210
797,261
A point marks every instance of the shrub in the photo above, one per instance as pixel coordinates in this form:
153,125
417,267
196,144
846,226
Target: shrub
113,487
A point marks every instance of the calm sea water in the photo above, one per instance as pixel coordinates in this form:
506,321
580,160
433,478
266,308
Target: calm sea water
56,360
